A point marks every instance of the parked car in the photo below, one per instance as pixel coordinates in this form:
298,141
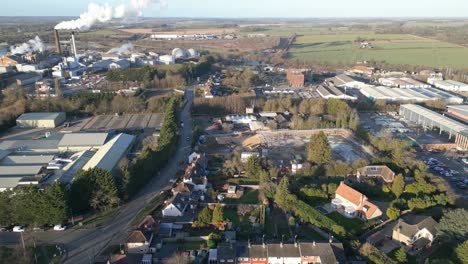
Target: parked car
465,161
59,227
3,229
19,229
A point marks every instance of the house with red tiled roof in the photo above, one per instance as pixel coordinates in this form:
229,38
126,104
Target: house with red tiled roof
354,204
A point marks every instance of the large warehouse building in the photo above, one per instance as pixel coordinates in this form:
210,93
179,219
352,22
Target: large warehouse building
43,120
408,94
430,119
450,85
459,112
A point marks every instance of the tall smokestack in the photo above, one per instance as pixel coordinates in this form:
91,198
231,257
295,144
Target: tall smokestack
74,44
58,49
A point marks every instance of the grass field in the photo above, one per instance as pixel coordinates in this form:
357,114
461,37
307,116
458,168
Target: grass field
389,48
339,46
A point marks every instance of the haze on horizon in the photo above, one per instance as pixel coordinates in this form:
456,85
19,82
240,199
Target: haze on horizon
256,8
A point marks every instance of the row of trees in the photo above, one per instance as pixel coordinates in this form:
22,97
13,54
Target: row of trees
150,161
30,206
93,189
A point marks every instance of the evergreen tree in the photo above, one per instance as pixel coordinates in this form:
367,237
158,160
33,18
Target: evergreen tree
253,166
398,185
393,213
453,225
319,149
218,214
204,217
57,204
400,255
462,252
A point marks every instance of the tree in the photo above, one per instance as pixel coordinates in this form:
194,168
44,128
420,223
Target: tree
319,149
218,214
5,208
204,217
462,252
393,213
213,240
56,199
253,166
94,188
400,255
453,225
398,185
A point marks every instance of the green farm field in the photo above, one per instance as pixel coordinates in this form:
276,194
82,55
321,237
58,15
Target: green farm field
341,47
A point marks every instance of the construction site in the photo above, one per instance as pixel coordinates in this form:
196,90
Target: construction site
284,145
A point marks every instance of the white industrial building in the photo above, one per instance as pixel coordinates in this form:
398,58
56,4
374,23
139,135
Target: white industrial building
109,155
430,119
241,119
82,141
403,83
167,59
44,120
450,85
329,92
408,94
345,81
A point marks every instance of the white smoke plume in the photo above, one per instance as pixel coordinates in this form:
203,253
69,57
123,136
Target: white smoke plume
103,13
121,49
34,44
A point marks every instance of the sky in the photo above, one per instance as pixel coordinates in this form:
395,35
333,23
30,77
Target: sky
254,8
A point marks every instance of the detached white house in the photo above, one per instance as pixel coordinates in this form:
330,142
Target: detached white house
139,242
416,232
177,206
354,203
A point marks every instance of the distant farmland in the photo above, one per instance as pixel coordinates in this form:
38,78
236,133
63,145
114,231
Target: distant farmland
341,47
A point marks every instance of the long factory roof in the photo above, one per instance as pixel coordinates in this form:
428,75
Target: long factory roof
431,115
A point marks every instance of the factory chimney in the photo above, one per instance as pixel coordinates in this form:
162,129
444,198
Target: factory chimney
74,44
58,49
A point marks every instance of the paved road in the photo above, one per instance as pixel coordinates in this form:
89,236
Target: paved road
83,244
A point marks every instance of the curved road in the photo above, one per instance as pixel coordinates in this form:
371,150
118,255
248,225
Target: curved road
83,244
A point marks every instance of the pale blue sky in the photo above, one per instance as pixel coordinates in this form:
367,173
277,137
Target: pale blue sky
254,8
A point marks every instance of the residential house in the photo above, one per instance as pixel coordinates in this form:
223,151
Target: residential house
284,253
415,231
130,259
242,253
382,172
139,242
322,253
195,173
354,203
148,224
258,254
226,253
177,206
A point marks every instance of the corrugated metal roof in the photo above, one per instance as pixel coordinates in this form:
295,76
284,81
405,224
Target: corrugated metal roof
31,144
40,116
18,160
431,115
83,140
9,182
462,109
19,170
108,156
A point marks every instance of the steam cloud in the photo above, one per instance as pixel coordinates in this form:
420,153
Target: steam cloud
34,44
121,49
103,13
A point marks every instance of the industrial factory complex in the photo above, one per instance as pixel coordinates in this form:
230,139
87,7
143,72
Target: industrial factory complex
56,156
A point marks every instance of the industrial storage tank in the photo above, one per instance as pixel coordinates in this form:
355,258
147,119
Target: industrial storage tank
179,53
192,53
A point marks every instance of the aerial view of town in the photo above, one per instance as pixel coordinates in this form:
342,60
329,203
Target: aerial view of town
224,132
